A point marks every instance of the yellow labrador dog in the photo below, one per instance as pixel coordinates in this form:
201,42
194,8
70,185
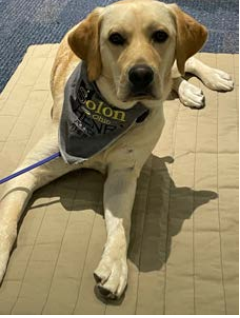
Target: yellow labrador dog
134,52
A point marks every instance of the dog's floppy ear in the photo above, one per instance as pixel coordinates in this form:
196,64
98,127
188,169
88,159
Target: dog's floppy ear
191,35
84,42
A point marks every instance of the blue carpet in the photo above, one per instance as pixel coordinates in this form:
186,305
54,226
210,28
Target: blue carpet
26,22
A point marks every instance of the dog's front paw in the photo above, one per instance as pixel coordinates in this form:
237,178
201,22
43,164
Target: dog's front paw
111,277
218,81
190,95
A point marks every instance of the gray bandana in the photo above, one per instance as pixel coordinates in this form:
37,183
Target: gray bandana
88,123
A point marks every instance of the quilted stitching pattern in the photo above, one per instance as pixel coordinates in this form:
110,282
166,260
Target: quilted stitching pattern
183,255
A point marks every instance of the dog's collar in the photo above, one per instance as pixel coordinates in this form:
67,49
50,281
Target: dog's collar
89,124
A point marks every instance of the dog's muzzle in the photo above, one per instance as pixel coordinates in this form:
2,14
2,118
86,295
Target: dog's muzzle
141,78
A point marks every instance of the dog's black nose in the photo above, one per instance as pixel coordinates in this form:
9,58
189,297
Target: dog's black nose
141,76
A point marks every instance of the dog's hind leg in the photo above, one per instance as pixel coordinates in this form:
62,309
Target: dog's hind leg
19,190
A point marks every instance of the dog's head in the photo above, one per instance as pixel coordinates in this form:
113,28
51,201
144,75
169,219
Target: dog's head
133,45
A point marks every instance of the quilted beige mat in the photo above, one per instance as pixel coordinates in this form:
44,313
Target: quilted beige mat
183,256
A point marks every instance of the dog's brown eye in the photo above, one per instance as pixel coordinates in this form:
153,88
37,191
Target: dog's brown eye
116,39
160,36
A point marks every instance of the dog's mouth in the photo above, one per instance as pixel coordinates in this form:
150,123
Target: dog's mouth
139,95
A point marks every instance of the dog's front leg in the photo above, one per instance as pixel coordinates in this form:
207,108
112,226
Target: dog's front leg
213,78
119,193
189,94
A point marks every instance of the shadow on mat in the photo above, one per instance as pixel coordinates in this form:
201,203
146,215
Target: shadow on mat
159,212
160,215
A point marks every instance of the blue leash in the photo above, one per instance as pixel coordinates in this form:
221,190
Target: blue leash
35,165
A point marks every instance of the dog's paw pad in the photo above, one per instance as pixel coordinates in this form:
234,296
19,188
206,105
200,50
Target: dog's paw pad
97,278
111,278
105,293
